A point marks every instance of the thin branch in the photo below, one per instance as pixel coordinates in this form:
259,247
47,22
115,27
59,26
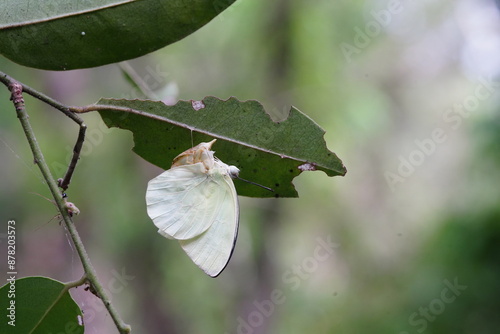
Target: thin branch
63,182
74,284
16,90
6,80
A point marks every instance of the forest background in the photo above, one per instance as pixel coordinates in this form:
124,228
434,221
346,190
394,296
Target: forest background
407,242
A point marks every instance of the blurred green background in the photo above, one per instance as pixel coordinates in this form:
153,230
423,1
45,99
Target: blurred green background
408,96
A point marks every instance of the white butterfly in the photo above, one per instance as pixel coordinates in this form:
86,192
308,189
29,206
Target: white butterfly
196,203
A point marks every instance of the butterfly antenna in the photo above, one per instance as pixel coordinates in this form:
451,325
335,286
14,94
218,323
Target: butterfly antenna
255,184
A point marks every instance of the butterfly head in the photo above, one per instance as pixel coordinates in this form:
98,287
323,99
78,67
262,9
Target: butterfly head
233,171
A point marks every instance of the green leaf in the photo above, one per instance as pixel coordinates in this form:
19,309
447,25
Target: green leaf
41,305
266,152
69,34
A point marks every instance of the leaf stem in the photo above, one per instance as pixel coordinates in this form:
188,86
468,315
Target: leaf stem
74,284
16,90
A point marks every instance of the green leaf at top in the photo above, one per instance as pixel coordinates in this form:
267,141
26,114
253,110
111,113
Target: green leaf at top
41,305
266,152
69,34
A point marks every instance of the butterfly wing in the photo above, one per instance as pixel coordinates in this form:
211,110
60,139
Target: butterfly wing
212,249
180,201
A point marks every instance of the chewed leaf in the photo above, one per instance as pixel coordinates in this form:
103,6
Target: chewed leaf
266,152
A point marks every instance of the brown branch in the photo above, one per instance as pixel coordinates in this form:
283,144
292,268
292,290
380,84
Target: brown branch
64,182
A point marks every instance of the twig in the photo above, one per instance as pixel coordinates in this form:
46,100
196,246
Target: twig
74,284
62,182
16,90
6,80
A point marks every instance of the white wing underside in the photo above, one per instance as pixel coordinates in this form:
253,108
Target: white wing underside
198,209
